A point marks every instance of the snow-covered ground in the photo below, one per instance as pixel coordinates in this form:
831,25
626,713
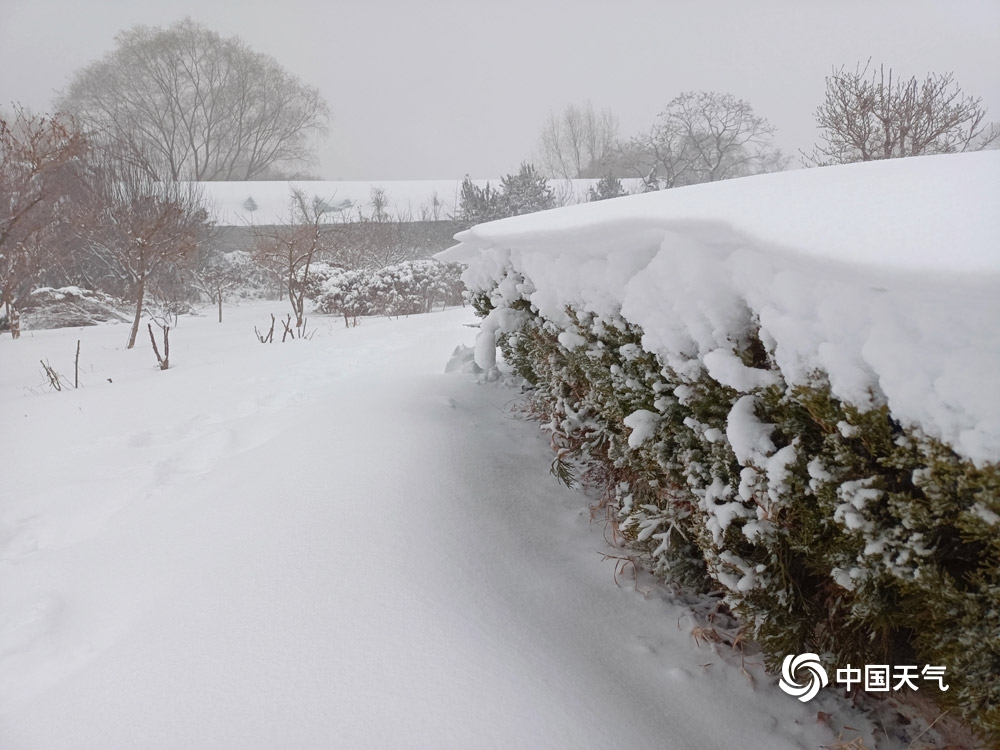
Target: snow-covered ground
325,543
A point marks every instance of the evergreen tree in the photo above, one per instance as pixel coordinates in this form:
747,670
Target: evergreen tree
521,193
607,187
477,204
525,192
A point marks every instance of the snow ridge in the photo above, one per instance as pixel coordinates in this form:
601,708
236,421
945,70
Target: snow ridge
883,276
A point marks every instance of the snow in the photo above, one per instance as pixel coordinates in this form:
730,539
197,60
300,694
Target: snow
326,543
642,424
726,368
885,276
571,340
749,437
408,198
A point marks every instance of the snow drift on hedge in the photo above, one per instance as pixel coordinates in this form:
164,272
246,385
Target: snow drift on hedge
884,276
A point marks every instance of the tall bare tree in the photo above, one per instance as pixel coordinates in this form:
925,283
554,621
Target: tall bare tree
136,227
184,103
873,114
40,169
703,136
578,142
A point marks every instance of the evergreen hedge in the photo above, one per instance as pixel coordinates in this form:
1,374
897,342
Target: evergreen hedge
825,527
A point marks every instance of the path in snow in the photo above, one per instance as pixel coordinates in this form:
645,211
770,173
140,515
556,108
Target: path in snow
324,544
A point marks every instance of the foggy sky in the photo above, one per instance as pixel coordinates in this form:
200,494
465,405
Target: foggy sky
440,88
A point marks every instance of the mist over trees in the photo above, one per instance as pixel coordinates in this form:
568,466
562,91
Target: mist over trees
700,136
184,103
579,142
703,137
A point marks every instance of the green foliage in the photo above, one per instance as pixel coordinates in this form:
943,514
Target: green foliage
477,205
521,193
607,187
847,533
525,192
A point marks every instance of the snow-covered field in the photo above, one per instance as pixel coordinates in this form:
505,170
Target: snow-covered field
325,544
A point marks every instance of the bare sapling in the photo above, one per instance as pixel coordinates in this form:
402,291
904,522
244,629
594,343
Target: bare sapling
55,379
266,339
76,366
163,361
295,332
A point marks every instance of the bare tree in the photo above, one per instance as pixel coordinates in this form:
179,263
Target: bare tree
989,139
375,239
703,136
136,227
578,142
219,276
289,250
183,103
867,116
40,168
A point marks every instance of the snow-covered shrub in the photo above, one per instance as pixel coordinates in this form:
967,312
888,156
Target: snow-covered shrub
786,388
319,274
827,528
231,275
70,307
407,288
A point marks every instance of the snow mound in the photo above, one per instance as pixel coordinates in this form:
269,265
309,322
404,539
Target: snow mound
884,276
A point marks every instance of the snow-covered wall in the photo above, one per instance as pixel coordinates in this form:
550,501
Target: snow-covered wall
884,276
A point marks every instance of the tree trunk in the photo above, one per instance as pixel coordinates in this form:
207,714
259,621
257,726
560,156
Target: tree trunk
291,288
14,321
218,293
140,293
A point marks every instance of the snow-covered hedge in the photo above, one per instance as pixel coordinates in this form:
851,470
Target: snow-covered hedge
407,288
787,388
71,307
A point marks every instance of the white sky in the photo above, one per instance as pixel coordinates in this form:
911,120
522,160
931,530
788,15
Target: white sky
441,88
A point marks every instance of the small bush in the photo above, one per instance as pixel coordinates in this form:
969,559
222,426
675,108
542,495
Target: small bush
407,288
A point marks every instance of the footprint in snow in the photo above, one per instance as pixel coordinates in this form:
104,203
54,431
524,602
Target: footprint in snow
22,627
196,456
19,539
